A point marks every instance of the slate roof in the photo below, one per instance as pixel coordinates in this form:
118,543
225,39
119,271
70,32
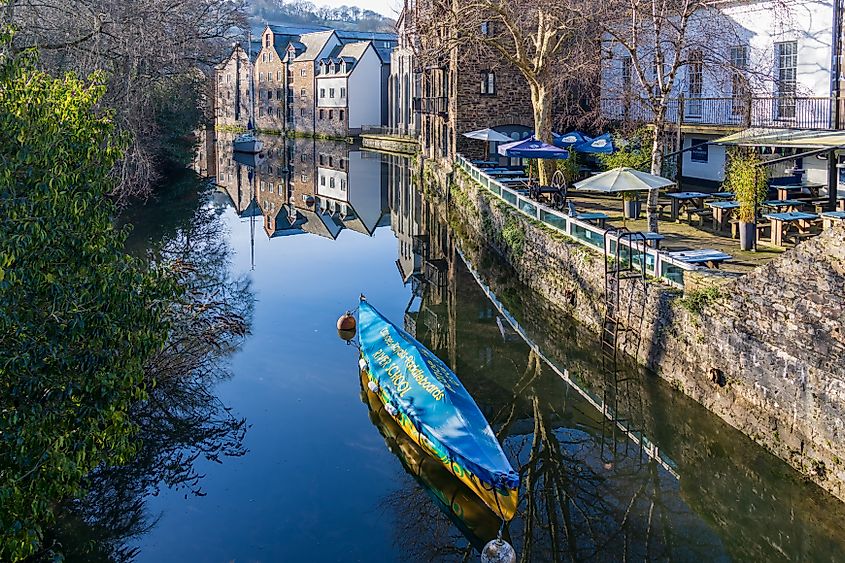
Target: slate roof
312,44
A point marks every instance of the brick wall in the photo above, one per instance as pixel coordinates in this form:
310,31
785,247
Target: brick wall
269,91
303,103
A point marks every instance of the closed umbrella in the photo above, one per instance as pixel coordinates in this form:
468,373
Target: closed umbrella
487,135
623,179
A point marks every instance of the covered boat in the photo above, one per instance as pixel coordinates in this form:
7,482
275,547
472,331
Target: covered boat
470,515
432,407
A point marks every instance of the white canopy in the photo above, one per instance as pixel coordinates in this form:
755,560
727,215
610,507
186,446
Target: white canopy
489,135
623,179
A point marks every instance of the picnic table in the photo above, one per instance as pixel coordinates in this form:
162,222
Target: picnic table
831,217
484,163
653,239
513,180
723,195
597,217
785,191
722,211
709,256
780,221
783,204
683,199
496,173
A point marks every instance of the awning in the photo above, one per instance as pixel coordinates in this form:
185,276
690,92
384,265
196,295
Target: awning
795,138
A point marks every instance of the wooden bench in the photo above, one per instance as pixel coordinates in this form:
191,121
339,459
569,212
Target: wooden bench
796,238
701,212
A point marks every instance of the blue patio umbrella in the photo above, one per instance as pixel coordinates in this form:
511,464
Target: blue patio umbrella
567,140
532,148
602,144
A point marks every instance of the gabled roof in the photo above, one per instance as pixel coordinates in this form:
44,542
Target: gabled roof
350,53
378,38
285,34
312,44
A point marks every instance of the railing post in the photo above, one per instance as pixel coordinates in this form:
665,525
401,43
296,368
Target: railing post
747,117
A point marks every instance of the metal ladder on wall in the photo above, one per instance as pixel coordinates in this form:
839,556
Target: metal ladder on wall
621,326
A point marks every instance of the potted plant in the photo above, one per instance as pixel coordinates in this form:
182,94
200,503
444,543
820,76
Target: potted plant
748,181
631,205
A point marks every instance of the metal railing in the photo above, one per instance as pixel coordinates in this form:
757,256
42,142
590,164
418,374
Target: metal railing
404,132
658,263
790,112
433,104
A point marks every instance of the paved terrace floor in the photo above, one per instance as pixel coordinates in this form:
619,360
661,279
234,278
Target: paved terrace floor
680,235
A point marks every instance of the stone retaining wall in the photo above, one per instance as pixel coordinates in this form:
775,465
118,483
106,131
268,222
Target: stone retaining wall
763,351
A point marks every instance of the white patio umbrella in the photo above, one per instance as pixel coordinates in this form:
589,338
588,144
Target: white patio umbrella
487,135
623,179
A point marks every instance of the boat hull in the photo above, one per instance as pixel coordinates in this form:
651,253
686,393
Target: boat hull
470,514
503,502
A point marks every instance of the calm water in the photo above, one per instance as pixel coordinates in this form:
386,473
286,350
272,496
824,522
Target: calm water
318,223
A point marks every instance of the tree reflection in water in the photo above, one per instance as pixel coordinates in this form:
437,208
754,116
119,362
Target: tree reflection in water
182,421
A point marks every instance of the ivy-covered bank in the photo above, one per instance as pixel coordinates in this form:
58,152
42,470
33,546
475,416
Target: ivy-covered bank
764,351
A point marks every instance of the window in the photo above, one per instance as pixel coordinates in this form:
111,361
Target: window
304,177
303,72
269,94
699,153
322,93
331,116
342,93
269,76
786,65
341,115
279,112
739,86
260,76
303,157
331,182
264,57
695,82
331,92
487,28
270,187
342,185
278,93
219,78
342,163
302,112
322,114
322,180
322,159
627,66
331,161
488,82
302,92
260,111
270,58
267,40
279,75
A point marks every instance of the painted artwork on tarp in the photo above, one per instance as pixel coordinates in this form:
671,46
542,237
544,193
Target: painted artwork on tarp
432,405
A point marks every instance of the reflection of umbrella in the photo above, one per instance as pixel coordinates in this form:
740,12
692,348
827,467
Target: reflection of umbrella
532,148
623,179
487,135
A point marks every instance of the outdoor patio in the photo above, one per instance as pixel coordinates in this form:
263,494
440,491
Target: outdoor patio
679,235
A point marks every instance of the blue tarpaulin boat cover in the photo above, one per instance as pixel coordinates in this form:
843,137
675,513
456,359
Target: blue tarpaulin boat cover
427,391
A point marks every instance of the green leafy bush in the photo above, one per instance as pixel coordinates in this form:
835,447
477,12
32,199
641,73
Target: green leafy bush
79,317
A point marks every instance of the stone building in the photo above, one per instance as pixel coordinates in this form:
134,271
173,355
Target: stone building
471,88
404,82
286,61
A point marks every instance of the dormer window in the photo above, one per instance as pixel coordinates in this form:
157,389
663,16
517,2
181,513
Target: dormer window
336,67
268,40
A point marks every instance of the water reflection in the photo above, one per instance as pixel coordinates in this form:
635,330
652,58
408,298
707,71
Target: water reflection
614,464
301,186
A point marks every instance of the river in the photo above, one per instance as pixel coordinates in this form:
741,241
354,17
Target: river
615,465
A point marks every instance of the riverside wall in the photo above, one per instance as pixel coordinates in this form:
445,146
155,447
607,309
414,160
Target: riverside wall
763,351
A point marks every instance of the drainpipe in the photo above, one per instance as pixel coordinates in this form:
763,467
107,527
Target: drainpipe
835,67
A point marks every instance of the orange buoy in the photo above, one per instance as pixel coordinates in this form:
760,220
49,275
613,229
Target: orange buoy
346,326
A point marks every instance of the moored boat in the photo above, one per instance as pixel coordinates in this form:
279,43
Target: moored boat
464,508
433,408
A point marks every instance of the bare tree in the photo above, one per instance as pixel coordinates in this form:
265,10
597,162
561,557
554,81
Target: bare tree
657,40
551,45
155,55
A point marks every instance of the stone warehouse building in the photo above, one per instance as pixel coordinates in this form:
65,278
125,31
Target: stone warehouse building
286,63
470,88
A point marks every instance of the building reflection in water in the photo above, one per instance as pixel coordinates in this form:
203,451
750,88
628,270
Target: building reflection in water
305,186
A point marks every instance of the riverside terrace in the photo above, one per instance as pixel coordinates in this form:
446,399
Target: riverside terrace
702,228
